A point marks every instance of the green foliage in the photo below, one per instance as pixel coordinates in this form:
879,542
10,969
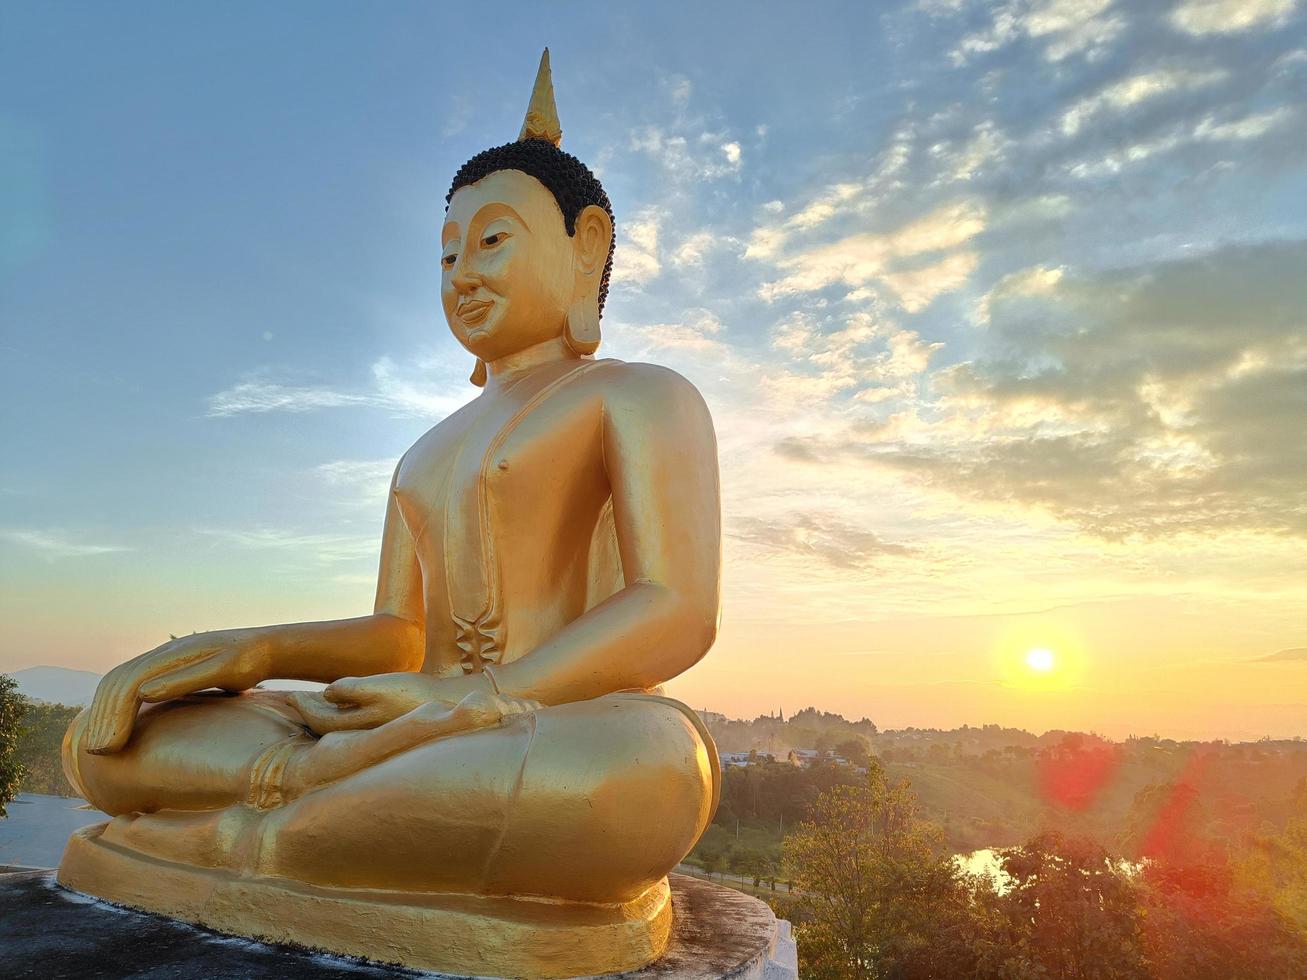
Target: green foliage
39,741
12,707
1071,911
776,794
1202,922
996,787
876,899
1275,865
871,878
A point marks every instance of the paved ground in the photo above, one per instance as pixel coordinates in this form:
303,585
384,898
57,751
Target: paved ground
52,934
46,932
34,834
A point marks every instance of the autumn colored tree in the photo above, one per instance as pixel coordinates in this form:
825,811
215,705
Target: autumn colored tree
12,707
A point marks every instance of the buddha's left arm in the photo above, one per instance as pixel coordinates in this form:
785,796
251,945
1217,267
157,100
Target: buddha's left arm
660,453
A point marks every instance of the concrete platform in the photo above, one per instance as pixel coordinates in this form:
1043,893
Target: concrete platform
48,932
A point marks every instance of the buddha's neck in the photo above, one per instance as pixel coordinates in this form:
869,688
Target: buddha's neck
508,367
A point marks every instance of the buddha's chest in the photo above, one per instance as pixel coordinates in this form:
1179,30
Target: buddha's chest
526,462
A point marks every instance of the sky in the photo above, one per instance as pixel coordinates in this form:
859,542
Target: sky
1000,310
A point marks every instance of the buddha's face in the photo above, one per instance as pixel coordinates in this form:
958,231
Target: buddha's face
507,265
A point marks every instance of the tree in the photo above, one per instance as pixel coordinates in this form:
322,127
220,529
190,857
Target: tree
1275,865
1202,923
854,750
40,738
871,877
712,860
12,707
1072,911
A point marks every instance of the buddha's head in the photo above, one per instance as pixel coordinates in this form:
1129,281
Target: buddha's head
527,244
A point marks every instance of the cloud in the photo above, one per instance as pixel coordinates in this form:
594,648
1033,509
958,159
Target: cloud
1062,27
53,544
1129,92
893,260
1296,655
824,536
696,247
326,548
688,157
636,260
361,482
1209,129
430,389
1152,401
259,396
1032,282
697,333
837,200
1203,17
985,148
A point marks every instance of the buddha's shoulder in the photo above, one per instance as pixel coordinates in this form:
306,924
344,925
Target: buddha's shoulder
449,428
649,386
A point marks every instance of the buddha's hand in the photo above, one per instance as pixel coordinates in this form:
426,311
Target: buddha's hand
340,753
230,659
354,703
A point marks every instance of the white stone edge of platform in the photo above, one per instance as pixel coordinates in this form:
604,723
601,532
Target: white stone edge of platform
783,957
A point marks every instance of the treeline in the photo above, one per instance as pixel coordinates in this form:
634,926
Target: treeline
996,787
31,734
877,895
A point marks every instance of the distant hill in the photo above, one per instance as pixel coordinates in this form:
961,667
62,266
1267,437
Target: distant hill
58,685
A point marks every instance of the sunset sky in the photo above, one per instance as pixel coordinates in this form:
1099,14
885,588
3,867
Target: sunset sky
1000,309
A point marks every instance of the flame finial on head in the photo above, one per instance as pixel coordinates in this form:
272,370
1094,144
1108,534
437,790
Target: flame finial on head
541,121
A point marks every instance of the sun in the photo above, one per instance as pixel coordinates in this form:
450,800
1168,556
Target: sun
1041,660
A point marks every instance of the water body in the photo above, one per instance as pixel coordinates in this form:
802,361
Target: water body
985,862
988,862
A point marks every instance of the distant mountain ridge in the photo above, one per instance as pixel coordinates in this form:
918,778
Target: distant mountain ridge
58,685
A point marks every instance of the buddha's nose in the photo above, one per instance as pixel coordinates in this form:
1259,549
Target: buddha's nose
463,280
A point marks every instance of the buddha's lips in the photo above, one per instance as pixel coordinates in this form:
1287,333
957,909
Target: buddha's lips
473,310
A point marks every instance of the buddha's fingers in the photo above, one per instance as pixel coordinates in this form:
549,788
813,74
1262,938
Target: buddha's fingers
187,680
323,717
115,727
118,697
107,709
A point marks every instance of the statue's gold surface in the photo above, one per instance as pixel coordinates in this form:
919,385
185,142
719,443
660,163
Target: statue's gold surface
541,122
491,783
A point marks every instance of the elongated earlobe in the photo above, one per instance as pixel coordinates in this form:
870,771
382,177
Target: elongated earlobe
582,329
479,374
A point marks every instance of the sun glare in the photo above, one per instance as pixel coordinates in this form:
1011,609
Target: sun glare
1040,659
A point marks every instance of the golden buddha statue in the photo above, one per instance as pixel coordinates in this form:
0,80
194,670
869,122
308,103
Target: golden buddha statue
491,783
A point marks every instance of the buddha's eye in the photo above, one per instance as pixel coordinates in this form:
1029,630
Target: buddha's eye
490,241
448,260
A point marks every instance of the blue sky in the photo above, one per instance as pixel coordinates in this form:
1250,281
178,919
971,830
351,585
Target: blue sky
998,307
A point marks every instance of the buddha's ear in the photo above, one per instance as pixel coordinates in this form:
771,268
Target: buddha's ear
592,241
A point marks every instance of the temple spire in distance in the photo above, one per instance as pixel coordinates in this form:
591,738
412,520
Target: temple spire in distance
541,121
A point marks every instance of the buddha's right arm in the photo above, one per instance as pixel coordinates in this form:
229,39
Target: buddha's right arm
392,639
